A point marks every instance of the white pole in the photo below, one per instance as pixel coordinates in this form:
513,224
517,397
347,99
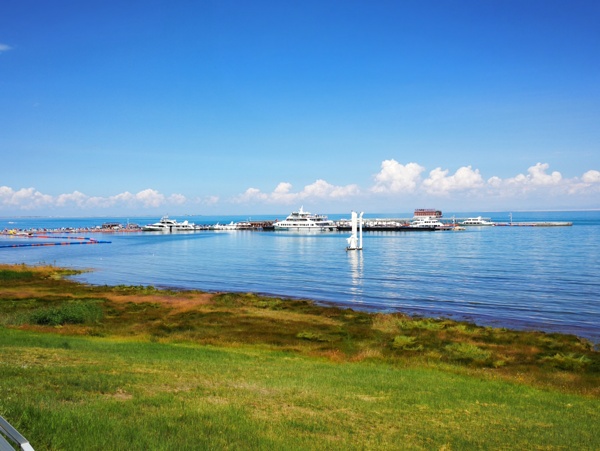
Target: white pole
361,230
352,239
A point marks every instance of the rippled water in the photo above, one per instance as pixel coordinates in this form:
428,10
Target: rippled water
545,278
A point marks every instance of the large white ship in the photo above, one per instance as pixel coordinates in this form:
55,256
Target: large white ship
427,218
304,221
478,221
169,225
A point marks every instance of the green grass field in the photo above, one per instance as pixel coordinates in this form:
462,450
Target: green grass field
105,368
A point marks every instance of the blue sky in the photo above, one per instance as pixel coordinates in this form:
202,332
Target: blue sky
237,107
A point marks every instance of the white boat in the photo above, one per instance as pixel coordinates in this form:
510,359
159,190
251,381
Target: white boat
230,226
426,223
304,221
169,225
243,225
478,221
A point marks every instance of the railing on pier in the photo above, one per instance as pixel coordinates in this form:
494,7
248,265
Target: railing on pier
9,431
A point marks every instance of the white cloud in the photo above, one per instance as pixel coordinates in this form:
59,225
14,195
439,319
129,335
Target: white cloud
150,198
147,198
75,197
250,195
100,202
591,177
495,182
25,198
322,189
536,177
588,184
30,198
4,48
537,186
177,199
465,178
125,197
395,177
282,194
210,200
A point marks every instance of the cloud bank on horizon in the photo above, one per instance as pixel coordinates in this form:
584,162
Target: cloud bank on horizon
546,190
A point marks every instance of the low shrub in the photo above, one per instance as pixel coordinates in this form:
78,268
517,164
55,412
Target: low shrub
468,353
72,313
405,343
423,324
311,336
227,299
138,289
9,275
569,362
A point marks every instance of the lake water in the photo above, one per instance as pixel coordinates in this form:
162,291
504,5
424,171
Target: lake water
544,278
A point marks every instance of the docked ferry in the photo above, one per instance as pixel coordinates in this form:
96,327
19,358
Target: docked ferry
478,221
304,221
426,223
169,226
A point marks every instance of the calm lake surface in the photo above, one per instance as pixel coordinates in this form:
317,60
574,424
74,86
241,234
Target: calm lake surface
544,278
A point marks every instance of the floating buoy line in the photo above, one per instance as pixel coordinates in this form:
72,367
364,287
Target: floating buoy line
70,240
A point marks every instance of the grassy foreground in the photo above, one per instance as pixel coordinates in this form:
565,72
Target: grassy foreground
132,367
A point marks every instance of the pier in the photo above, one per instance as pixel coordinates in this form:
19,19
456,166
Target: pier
534,224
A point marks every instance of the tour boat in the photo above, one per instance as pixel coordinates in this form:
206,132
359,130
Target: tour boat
304,221
426,223
230,226
478,221
169,225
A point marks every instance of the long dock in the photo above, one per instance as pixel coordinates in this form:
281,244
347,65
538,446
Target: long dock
534,224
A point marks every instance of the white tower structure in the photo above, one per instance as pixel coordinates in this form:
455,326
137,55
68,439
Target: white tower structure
355,241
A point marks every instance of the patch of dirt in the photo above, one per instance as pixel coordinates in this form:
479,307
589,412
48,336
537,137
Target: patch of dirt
120,395
180,303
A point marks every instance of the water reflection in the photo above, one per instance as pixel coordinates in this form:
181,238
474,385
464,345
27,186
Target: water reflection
355,260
